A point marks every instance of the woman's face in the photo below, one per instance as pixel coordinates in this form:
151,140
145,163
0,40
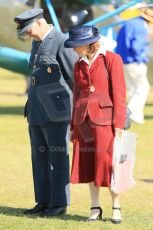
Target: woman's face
82,50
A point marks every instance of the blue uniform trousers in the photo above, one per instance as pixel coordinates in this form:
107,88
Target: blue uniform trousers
50,163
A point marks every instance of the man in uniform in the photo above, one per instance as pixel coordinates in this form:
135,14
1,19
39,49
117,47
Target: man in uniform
48,112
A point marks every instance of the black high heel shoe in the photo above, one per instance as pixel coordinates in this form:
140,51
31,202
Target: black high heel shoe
99,217
116,221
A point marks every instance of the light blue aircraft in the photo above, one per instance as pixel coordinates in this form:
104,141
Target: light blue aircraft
14,52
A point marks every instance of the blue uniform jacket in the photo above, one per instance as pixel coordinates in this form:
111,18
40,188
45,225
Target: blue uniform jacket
132,41
51,67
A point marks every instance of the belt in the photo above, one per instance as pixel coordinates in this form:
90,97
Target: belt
33,80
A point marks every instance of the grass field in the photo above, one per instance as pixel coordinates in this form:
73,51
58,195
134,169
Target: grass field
16,187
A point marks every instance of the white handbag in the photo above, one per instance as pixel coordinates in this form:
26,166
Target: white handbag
124,155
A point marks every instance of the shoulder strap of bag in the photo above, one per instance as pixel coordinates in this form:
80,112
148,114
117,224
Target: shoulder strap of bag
128,112
106,69
105,64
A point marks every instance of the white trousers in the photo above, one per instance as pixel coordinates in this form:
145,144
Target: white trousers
138,87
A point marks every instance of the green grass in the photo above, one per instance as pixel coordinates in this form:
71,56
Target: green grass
16,186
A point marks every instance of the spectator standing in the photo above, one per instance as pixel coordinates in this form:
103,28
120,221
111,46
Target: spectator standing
132,43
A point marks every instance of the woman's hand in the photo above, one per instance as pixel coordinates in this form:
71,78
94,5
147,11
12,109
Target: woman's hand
118,131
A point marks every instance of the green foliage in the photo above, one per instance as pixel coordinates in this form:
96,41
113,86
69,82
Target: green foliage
16,186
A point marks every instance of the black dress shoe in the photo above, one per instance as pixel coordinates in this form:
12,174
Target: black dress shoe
53,211
116,221
99,216
37,209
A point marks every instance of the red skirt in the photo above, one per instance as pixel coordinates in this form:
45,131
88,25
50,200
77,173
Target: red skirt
92,154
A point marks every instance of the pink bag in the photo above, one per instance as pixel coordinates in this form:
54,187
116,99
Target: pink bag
123,162
122,176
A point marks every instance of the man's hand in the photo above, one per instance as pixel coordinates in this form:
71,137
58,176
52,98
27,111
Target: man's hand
71,135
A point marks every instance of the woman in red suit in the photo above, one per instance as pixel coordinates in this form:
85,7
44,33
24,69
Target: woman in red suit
99,111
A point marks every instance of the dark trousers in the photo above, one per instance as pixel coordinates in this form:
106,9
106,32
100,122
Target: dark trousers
50,163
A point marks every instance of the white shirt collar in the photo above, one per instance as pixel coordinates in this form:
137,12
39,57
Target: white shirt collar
101,50
51,28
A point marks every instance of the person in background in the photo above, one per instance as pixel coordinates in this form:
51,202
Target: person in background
48,112
132,43
99,112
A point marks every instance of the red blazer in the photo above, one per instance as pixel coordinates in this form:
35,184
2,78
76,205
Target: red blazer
107,104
